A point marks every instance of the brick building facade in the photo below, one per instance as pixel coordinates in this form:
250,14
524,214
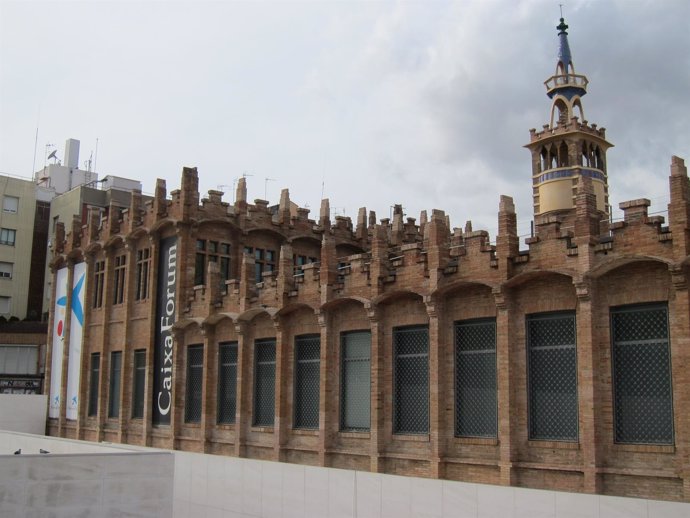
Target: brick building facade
396,346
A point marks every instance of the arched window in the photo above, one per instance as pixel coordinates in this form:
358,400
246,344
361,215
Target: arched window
544,159
563,155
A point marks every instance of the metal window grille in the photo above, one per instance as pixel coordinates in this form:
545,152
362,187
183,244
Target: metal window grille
552,377
411,406
307,365
139,384
195,371
475,378
355,388
93,383
227,382
264,382
642,375
114,392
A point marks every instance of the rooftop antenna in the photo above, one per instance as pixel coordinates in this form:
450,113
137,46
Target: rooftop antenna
46,157
38,120
561,8
266,180
95,158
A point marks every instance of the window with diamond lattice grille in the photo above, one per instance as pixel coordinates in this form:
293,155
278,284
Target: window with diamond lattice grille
355,389
411,374
552,377
93,383
475,378
643,405
307,364
139,383
195,371
227,382
114,392
264,382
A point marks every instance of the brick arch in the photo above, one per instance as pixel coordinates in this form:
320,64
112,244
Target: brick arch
622,260
336,303
527,277
391,296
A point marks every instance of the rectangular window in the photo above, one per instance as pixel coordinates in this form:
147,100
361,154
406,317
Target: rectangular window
195,371
307,365
643,405
552,377
475,378
227,382
355,388
215,252
7,236
138,384
411,398
5,305
114,392
119,281
93,383
98,280
264,261
10,204
264,382
142,274
6,270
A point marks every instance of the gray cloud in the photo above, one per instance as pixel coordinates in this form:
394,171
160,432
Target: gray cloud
427,104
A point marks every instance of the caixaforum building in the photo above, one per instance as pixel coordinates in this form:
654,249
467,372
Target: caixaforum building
397,346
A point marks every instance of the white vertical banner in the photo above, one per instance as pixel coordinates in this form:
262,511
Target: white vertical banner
59,319
76,332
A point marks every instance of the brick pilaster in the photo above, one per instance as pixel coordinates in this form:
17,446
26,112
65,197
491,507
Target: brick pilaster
243,406
506,401
587,404
281,383
327,399
437,352
377,432
208,394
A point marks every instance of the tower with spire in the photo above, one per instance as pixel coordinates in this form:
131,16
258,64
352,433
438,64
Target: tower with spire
568,147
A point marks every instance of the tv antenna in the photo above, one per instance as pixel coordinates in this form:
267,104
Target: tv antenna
266,180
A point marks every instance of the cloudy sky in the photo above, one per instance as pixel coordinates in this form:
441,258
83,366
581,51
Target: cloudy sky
425,103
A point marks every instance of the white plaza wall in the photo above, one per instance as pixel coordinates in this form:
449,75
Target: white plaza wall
99,481
216,486
23,413
80,478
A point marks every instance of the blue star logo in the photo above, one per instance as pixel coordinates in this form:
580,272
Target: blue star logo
74,401
57,400
76,303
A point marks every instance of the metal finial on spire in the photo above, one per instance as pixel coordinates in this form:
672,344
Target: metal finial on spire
562,27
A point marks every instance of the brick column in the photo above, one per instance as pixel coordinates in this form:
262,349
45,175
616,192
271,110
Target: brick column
281,402
377,432
177,396
84,379
327,399
437,401
586,387
151,347
104,373
208,394
504,383
243,405
679,321
127,349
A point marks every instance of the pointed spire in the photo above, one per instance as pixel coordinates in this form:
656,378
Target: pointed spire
565,59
